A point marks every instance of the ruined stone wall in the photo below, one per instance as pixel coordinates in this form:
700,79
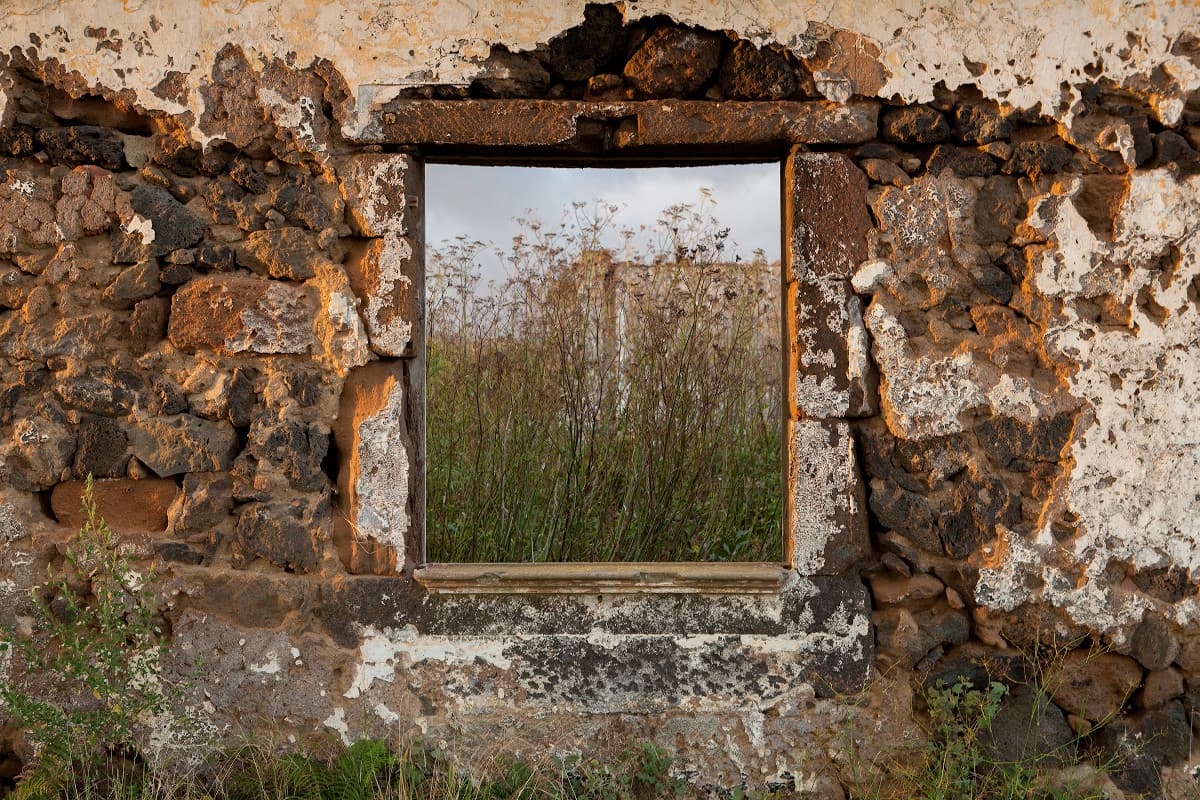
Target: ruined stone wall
210,298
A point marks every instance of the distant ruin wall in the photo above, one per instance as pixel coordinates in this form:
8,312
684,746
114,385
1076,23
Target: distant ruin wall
211,300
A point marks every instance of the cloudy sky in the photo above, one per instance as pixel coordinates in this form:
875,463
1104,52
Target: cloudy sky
484,202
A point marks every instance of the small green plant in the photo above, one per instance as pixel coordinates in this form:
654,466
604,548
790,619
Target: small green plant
88,677
960,718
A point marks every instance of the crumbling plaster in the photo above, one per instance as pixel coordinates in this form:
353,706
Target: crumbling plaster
1022,52
1135,483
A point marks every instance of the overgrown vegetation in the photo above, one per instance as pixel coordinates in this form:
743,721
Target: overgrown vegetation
962,754
90,684
592,408
370,770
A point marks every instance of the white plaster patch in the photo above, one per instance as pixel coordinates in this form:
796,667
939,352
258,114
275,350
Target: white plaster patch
339,331
923,396
141,226
1134,485
822,476
381,486
381,652
869,275
269,665
1015,396
390,332
23,187
386,714
297,117
11,528
336,722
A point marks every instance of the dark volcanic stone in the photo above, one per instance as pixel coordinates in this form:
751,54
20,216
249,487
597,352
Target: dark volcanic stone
291,446
297,201
183,443
283,533
937,457
205,502
220,257
179,552
102,390
905,512
224,198
175,274
16,141
1153,644
148,322
166,397
240,398
962,161
289,252
1027,728
1009,442
993,281
84,144
589,48
753,74
175,226
44,446
999,208
1171,584
673,62
1037,158
980,502
1140,745
914,125
103,448
506,74
911,637
1171,148
981,122
302,384
249,177
1094,686
133,284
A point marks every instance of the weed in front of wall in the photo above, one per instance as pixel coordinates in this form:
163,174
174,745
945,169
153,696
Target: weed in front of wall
983,740
86,681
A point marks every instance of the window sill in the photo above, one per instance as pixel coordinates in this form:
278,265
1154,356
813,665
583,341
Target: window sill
605,578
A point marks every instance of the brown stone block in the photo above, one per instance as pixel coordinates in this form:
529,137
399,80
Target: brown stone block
1094,686
826,510
825,207
746,123
372,523
127,506
386,276
646,123
238,314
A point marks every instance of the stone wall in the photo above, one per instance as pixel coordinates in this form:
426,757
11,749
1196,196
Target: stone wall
211,300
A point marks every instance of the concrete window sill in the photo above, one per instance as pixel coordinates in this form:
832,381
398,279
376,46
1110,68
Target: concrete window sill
605,578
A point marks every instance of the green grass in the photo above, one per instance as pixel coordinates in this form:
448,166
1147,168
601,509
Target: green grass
366,770
567,423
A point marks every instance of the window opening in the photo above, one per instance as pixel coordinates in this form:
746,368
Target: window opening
603,364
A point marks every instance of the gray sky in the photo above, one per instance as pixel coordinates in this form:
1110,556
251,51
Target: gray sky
484,202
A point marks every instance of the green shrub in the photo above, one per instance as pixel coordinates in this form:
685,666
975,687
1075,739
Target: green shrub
86,682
